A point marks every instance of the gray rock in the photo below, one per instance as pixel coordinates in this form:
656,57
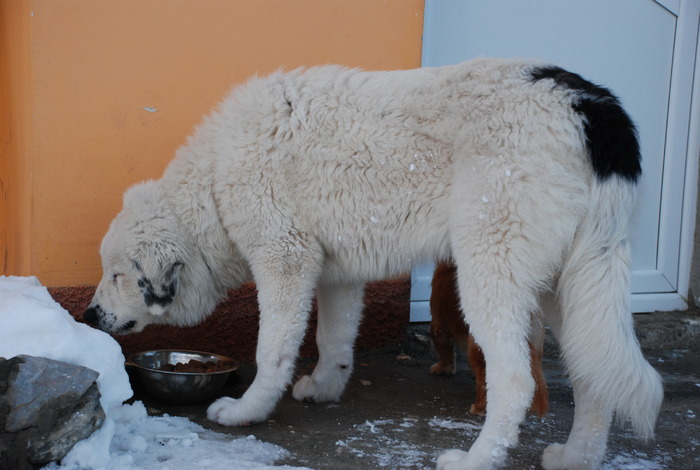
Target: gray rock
46,406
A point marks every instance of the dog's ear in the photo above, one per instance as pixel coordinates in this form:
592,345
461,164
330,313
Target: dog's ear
159,286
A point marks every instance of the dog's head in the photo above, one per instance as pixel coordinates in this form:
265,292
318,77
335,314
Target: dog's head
143,255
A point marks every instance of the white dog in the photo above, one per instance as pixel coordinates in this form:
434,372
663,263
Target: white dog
317,181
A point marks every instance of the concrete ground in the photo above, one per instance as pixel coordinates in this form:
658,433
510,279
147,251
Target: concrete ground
396,415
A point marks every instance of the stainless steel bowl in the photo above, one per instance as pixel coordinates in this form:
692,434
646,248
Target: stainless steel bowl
180,387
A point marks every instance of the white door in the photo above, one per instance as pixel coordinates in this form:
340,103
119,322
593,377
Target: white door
645,51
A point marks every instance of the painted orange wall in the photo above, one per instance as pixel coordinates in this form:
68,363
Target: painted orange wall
97,95
15,159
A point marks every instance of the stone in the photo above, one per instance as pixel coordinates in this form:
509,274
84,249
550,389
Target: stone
46,407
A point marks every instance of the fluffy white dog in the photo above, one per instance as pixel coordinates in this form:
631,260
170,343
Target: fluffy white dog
316,181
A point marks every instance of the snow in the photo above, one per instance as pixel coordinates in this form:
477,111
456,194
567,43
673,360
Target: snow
32,323
380,442
168,442
450,424
633,461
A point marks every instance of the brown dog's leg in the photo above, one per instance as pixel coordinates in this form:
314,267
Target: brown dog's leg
540,401
444,306
447,363
478,365
448,328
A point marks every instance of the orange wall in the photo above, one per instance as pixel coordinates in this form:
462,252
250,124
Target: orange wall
100,93
15,160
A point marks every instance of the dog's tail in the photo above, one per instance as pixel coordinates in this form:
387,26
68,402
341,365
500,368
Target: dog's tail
597,335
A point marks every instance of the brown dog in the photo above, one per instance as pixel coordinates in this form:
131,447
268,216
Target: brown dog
448,327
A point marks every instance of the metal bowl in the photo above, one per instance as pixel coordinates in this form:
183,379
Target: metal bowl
180,387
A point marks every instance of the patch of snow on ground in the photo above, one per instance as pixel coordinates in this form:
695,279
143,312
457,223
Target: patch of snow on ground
376,442
168,443
633,461
32,323
449,424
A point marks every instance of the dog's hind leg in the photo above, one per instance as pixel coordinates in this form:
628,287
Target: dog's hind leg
597,338
585,447
497,305
339,313
587,441
478,365
507,233
446,317
286,275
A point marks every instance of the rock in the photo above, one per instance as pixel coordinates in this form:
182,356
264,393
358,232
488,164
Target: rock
46,406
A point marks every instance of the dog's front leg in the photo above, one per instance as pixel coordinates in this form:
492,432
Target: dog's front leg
285,292
339,312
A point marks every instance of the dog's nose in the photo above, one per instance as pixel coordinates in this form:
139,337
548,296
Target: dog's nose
91,316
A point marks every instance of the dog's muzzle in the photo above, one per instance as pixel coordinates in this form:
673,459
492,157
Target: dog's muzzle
92,316
97,318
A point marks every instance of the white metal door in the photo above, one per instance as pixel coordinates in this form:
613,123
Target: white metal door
645,51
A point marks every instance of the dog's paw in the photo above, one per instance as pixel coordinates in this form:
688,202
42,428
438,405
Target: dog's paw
307,389
441,368
304,389
453,460
477,409
459,460
552,456
556,457
229,412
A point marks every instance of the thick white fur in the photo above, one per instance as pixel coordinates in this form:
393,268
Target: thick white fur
316,181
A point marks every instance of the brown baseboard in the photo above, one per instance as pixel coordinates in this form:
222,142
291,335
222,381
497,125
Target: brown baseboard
232,329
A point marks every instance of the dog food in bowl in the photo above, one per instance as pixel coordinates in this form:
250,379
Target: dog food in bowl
194,365
181,376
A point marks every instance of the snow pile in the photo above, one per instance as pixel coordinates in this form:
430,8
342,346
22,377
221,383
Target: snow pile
168,442
32,323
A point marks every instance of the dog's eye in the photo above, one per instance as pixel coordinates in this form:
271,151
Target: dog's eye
116,277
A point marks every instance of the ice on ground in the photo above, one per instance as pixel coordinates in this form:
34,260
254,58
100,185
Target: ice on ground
449,424
633,461
32,323
380,442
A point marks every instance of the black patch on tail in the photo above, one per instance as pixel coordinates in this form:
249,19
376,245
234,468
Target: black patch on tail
611,137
